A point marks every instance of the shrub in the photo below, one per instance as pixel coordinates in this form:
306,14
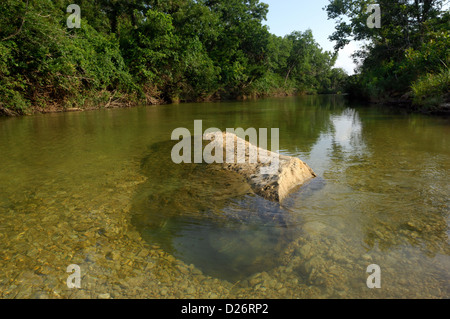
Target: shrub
429,90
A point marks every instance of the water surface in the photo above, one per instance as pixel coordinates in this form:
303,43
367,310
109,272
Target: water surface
98,189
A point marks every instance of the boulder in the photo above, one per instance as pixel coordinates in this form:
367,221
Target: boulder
270,175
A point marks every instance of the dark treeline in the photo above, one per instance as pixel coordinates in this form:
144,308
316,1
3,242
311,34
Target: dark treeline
407,59
151,51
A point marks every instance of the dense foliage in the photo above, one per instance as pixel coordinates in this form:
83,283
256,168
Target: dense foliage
407,58
134,51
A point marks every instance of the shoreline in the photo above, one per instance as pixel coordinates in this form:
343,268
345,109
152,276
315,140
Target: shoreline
404,105
407,105
130,103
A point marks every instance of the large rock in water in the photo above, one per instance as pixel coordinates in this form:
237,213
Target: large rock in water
272,184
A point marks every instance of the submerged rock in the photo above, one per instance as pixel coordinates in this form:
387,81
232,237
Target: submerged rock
208,216
270,175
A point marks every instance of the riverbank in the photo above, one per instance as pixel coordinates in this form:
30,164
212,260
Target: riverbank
192,52
108,100
441,109
112,102
406,103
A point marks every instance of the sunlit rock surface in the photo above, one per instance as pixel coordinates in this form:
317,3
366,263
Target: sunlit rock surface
270,175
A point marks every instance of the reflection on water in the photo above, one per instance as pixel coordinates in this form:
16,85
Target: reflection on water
340,142
347,132
72,190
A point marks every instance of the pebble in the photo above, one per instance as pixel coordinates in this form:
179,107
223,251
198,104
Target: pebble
127,267
283,291
41,295
305,251
254,281
190,291
183,269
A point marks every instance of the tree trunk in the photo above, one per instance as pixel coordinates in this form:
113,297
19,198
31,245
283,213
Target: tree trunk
287,75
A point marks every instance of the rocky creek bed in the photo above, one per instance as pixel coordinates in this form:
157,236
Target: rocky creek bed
93,229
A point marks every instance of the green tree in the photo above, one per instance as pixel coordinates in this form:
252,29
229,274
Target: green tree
151,51
412,42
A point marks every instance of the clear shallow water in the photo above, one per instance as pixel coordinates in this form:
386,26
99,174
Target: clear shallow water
94,187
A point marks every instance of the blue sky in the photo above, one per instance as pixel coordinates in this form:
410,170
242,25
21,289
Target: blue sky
286,16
